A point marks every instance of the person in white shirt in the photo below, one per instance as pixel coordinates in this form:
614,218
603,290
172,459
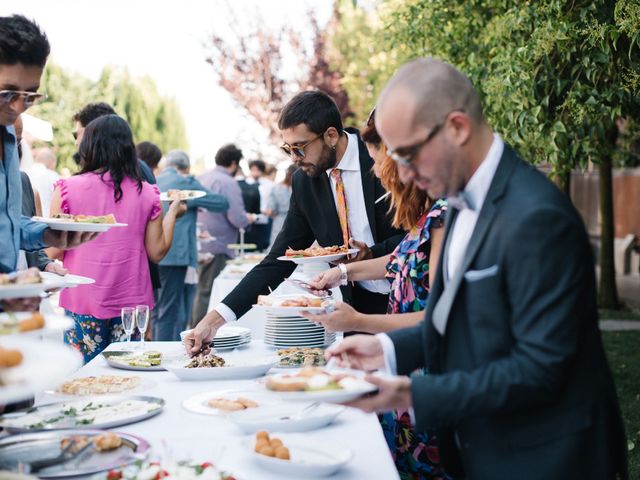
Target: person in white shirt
518,383
43,176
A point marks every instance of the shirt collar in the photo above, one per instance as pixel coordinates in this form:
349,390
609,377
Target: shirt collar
350,161
478,185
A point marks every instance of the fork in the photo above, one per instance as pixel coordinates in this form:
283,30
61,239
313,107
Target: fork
309,408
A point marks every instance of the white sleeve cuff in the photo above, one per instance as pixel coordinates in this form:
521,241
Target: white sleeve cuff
389,353
225,312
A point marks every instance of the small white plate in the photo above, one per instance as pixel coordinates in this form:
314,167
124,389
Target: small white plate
355,390
57,224
320,258
52,323
68,279
285,417
199,403
239,369
307,457
184,195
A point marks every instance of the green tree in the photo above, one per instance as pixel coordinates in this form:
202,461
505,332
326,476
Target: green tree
556,77
152,117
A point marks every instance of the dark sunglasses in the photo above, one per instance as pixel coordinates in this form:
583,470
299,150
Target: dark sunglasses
298,150
405,155
29,98
372,117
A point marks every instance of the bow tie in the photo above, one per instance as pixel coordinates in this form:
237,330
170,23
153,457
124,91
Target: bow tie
461,201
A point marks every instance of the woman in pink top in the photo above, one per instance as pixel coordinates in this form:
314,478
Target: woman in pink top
109,183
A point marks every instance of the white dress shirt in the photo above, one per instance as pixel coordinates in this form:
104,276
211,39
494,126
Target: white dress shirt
42,180
358,221
476,192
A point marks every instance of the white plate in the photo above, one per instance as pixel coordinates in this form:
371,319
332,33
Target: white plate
111,357
57,224
145,384
68,279
52,323
31,289
321,258
240,368
164,196
285,417
293,310
44,363
198,403
355,390
307,457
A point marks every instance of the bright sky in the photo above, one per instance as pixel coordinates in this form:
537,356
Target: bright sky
164,40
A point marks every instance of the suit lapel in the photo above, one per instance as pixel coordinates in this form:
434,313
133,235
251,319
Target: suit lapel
485,219
368,186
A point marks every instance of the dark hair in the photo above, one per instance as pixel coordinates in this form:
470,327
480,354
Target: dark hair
315,109
92,111
149,153
22,41
227,155
107,146
259,164
369,133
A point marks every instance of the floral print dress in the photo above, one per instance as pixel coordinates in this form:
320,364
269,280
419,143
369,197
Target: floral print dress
415,454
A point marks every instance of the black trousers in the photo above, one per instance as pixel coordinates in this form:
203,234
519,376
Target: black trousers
365,301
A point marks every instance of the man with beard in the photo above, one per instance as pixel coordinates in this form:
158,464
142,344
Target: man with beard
332,201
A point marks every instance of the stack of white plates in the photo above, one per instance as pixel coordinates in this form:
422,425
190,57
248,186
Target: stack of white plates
294,331
229,337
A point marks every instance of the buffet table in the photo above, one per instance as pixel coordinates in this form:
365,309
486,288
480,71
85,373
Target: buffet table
179,434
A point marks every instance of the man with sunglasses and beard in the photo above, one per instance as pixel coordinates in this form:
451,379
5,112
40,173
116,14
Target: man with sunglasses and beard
333,201
24,49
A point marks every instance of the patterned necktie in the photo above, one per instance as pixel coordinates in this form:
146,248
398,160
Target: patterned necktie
341,199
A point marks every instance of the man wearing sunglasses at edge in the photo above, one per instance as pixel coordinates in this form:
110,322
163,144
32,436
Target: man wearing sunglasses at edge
332,201
24,49
518,383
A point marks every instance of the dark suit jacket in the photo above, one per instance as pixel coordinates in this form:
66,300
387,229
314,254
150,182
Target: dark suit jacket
312,215
37,258
519,386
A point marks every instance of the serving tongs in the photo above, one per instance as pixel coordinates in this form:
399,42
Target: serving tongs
308,288
62,458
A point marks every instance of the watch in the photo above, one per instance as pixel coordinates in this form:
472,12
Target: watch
344,277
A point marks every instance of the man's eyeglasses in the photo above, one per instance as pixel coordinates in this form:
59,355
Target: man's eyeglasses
405,155
29,98
298,150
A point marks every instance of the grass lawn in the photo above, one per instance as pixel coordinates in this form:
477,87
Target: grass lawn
623,351
624,314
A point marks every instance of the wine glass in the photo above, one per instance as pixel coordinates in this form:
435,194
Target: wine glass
127,314
142,319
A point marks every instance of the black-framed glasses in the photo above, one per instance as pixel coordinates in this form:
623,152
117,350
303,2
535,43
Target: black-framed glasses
298,150
29,98
405,155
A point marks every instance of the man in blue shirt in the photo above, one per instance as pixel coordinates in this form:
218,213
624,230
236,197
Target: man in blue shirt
176,298
24,49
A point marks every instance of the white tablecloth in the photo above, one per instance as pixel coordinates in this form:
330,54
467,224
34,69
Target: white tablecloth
254,319
183,434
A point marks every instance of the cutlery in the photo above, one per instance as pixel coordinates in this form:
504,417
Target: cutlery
307,288
60,459
309,408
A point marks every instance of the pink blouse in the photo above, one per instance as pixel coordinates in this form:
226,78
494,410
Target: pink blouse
116,259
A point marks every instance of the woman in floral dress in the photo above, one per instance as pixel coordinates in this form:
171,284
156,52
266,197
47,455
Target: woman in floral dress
408,270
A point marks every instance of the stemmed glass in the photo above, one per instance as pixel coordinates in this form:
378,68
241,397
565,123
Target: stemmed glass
142,319
127,314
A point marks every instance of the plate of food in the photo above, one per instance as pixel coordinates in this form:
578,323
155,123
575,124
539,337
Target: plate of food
69,279
80,223
26,283
183,470
29,365
32,323
101,385
293,304
89,451
99,413
296,455
318,384
183,195
147,361
286,417
223,402
317,254
242,246
300,357
214,367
